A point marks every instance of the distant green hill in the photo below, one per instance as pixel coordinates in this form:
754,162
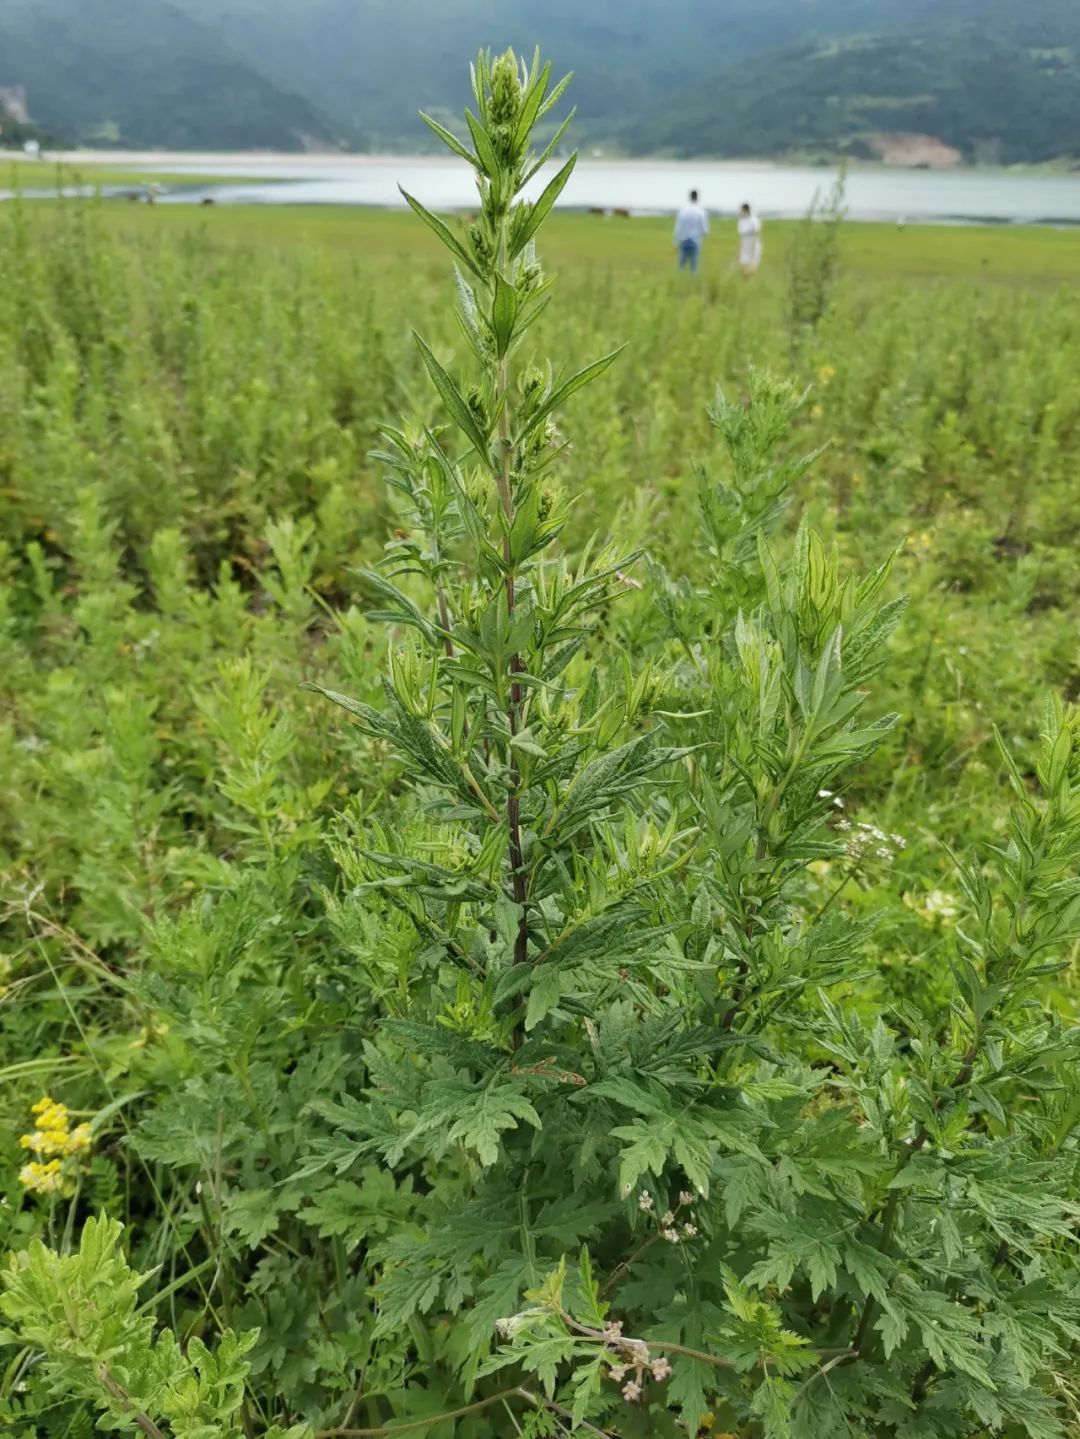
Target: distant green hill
984,98
372,62
144,73
733,77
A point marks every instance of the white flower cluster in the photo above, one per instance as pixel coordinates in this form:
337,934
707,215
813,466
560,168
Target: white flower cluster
866,840
936,907
669,1227
636,1365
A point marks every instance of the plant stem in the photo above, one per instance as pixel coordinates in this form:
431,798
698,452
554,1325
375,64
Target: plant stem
892,1208
552,1407
138,1418
513,713
428,1422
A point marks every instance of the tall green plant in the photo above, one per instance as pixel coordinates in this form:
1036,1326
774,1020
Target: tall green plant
813,263
632,1127
611,1037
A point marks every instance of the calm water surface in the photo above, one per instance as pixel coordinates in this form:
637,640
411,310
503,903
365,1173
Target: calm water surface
640,186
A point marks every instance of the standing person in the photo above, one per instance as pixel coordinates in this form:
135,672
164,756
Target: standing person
691,227
749,241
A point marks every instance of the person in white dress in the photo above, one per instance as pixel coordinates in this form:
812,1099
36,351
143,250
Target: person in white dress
749,241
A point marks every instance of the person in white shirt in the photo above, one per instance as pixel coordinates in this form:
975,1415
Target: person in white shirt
749,241
691,227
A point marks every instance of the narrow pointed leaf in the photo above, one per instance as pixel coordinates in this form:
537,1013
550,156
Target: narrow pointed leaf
450,140
445,234
531,108
539,212
489,161
453,399
503,314
556,94
571,387
550,147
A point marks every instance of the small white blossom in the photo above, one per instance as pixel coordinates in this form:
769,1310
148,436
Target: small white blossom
689,1230
645,1201
685,1197
668,1219
660,1369
618,1373
671,1235
936,905
631,1392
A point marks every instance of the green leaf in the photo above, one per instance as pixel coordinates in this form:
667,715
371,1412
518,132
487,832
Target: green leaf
530,108
490,1112
553,144
451,141
489,161
562,394
545,993
445,234
534,216
503,314
452,398
646,1154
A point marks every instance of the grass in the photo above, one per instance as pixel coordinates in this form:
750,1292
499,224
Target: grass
1029,256
45,176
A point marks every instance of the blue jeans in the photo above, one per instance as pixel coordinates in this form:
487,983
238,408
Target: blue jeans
689,256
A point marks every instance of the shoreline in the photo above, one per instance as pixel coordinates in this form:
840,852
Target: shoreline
264,160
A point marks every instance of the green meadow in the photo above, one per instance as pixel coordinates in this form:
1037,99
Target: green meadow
252,966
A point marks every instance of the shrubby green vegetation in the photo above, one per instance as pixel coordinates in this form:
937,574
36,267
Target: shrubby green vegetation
639,1003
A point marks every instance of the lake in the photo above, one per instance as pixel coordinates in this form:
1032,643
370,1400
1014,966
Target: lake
639,186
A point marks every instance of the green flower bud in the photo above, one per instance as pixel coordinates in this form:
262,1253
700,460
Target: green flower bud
505,90
481,244
532,382
474,398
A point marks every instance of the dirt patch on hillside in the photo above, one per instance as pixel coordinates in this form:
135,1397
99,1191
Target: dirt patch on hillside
915,150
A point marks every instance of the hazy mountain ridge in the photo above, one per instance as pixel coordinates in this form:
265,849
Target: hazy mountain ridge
287,73
974,95
145,73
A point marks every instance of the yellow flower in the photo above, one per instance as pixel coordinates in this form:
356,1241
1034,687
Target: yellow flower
53,1141
45,1141
79,1139
42,1178
825,374
816,412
